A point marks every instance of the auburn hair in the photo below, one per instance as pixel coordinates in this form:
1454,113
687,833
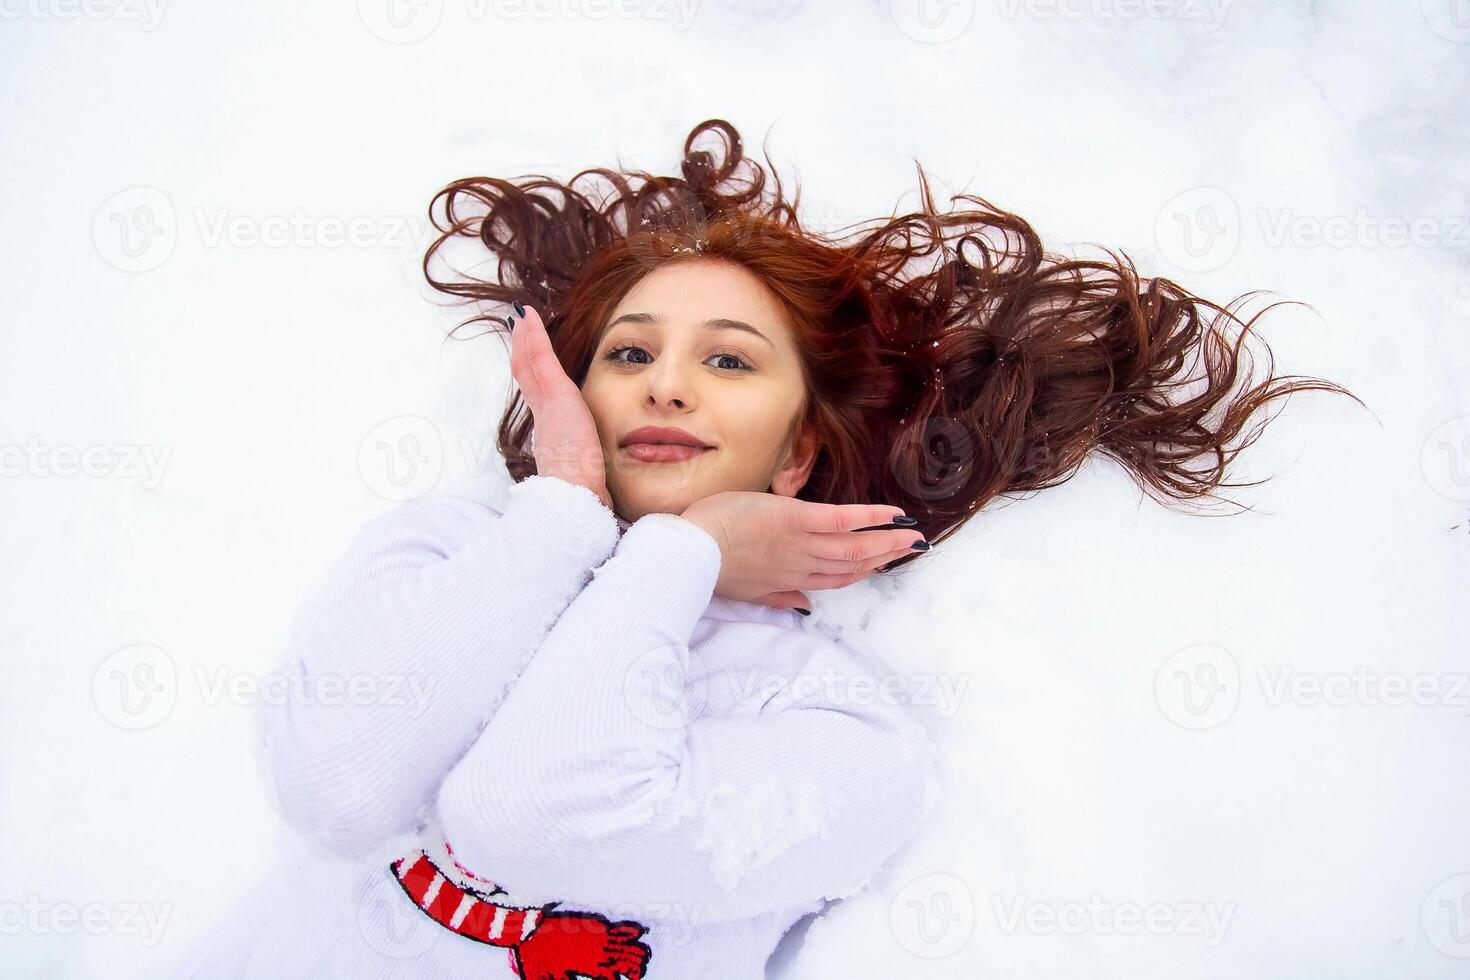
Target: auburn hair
948,358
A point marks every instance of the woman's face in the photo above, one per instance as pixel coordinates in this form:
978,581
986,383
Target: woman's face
669,357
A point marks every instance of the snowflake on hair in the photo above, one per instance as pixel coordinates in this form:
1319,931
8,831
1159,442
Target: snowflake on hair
697,246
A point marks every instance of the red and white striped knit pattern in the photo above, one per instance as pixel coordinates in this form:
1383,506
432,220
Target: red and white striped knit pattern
459,910
543,944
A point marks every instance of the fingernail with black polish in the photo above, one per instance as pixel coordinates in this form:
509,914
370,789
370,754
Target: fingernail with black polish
804,612
510,323
920,546
904,520
520,310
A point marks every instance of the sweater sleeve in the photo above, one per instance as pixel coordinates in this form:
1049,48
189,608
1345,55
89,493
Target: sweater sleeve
593,785
422,627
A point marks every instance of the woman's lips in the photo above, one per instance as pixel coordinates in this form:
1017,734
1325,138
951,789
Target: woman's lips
658,452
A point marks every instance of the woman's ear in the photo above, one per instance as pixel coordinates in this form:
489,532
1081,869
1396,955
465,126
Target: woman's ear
799,462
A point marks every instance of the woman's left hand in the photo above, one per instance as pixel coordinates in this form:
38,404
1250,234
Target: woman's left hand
772,546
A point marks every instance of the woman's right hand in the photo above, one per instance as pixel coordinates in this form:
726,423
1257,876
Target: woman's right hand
564,440
772,546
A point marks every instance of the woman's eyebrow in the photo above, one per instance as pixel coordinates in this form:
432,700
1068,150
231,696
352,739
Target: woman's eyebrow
714,323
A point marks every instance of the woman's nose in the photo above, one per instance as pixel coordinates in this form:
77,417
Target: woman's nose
671,387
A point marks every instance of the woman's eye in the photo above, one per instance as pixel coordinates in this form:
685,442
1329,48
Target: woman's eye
613,355
738,363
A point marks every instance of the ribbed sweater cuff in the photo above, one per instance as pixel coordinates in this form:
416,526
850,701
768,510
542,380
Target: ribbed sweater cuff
587,528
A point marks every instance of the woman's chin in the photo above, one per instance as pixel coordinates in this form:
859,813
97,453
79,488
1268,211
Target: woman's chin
635,503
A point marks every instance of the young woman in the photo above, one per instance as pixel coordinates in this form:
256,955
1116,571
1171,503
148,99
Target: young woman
633,761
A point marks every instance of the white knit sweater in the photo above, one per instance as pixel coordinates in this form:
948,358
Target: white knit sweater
631,772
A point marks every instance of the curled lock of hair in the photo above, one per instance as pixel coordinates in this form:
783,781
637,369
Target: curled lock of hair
948,358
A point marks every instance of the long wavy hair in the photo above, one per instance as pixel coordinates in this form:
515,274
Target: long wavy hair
948,358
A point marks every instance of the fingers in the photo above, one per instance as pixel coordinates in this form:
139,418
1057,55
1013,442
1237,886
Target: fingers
783,600
549,374
842,551
846,576
533,361
536,350
520,367
841,581
814,516
878,561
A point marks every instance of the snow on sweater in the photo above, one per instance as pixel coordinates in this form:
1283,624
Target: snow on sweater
607,769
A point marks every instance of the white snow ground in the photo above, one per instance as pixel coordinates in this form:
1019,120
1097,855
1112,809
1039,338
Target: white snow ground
1177,747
